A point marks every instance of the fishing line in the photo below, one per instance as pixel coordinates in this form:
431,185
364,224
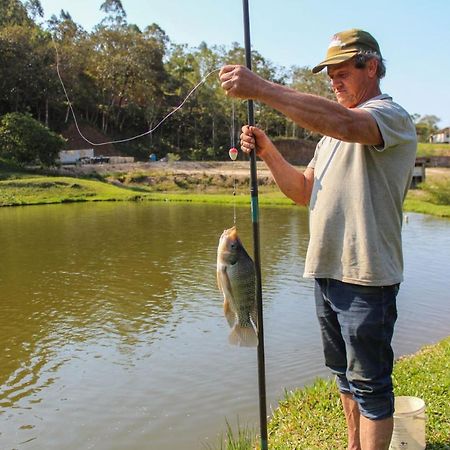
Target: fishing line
233,131
133,137
233,155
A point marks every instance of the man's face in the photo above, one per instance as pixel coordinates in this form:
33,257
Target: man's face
351,86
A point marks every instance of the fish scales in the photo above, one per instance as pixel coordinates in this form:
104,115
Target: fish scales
236,280
242,280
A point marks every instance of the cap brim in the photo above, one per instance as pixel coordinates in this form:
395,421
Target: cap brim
333,61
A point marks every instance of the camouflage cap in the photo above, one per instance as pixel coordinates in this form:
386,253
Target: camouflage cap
345,45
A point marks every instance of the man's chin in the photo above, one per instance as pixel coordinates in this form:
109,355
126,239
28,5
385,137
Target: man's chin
344,101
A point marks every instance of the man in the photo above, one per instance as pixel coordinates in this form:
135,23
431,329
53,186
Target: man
355,186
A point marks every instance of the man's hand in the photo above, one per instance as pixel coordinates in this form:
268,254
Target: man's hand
240,82
253,138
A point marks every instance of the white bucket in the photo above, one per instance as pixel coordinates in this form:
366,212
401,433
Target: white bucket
409,424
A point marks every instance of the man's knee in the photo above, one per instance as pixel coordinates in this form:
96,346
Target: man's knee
375,398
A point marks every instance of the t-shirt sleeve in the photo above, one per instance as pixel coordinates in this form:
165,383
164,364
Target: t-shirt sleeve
312,163
394,123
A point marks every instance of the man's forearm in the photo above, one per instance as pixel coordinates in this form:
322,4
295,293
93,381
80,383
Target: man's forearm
312,112
321,115
291,182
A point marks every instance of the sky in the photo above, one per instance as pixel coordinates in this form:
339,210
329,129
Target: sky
414,35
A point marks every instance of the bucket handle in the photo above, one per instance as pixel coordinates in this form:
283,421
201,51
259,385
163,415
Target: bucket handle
424,417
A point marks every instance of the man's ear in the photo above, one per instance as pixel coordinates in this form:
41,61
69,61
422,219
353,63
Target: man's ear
372,66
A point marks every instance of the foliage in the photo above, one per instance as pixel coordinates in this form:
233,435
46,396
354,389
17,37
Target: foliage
426,126
13,12
123,80
241,439
429,149
25,71
171,157
438,191
432,196
25,140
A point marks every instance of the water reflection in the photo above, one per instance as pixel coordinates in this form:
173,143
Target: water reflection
112,332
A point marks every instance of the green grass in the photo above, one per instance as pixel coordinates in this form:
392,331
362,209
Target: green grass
427,375
23,188
274,198
242,439
427,149
424,207
312,419
432,197
31,190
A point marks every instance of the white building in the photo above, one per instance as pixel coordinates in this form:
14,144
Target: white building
73,156
441,137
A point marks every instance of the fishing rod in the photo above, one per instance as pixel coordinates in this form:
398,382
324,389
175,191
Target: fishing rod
257,259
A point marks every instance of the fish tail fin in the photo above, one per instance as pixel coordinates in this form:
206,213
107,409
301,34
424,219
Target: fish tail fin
243,336
254,317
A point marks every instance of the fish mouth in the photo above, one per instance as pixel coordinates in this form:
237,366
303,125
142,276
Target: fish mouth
230,232
228,236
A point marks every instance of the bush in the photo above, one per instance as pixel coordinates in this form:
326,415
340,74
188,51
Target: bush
172,157
26,141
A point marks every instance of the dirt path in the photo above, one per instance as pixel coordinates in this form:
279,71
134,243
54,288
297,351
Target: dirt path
236,168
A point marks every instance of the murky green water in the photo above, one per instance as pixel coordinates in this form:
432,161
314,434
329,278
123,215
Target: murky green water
111,328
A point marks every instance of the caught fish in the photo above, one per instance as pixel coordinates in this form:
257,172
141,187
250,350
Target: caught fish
236,280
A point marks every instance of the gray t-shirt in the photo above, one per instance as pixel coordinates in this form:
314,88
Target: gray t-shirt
356,201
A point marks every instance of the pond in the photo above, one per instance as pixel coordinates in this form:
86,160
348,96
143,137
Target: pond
112,334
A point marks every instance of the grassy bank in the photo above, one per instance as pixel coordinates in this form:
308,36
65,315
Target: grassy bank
427,149
33,190
205,186
312,419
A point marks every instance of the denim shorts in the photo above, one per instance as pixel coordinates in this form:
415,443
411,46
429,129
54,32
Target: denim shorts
357,324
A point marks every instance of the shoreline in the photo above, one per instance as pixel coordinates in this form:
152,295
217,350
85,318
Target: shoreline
292,426
180,181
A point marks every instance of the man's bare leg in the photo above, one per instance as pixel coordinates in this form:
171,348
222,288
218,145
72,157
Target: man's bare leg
352,417
364,433
376,434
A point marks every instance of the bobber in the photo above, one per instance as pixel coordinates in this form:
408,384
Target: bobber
233,152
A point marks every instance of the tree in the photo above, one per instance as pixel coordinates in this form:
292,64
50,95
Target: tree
34,8
116,13
74,47
426,126
13,12
26,141
26,71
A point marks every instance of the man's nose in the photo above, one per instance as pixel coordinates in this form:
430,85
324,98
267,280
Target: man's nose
334,83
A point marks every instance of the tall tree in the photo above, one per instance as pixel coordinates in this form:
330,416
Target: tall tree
426,126
13,12
25,65
34,8
74,50
116,15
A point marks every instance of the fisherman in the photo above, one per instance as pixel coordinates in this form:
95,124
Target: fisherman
355,186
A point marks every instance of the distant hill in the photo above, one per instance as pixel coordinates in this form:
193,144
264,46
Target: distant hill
297,151
76,142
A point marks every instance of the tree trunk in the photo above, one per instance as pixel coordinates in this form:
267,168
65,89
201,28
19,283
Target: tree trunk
46,112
